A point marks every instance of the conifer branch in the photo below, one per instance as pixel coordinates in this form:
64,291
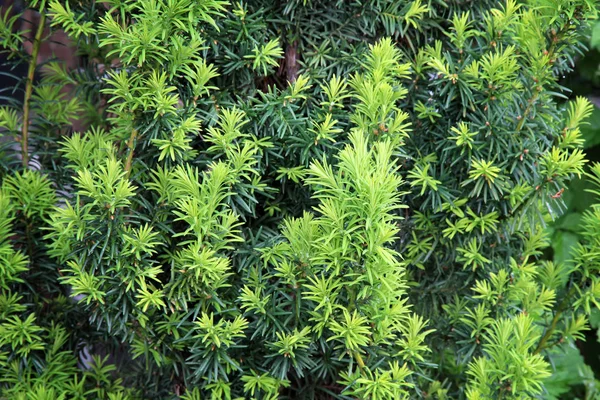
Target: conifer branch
37,41
528,109
533,99
559,311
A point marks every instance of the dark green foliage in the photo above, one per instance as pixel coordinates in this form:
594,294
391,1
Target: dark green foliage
298,199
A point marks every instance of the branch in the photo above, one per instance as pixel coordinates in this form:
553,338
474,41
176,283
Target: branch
528,110
130,146
530,103
359,360
550,331
29,88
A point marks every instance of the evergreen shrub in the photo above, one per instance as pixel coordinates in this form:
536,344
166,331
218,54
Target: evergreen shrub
295,199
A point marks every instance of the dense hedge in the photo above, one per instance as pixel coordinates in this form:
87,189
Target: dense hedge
299,199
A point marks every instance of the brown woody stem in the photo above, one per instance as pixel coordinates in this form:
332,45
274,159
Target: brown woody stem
130,146
37,41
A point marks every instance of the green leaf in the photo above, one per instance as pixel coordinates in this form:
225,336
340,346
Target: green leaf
595,40
562,244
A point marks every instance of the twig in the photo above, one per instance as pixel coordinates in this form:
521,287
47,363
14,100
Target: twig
533,99
528,110
550,331
29,88
130,146
359,360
